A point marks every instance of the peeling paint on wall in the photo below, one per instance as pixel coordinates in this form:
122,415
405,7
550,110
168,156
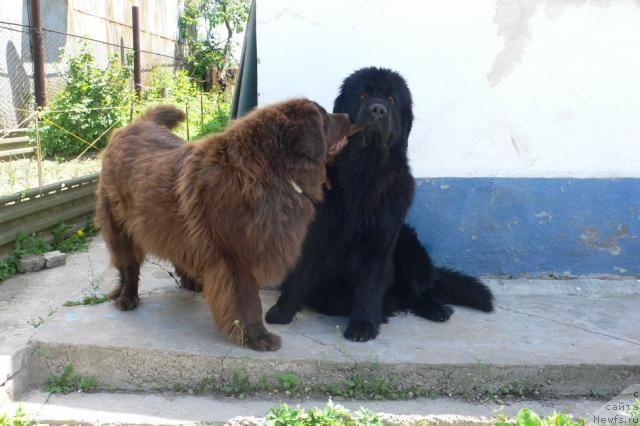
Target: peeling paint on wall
591,237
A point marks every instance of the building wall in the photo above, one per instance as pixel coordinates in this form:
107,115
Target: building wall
526,140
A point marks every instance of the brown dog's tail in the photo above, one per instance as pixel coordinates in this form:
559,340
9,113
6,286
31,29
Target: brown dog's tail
164,115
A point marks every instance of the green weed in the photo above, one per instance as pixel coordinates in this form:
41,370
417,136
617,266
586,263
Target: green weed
332,414
68,382
19,418
527,417
65,239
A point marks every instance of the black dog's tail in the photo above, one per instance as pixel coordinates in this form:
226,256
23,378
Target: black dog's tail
164,115
425,289
455,288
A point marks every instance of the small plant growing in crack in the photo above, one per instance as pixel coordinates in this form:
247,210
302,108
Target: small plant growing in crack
68,382
240,384
95,295
289,382
37,322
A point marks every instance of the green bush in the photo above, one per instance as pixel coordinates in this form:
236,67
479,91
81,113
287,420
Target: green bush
94,101
208,112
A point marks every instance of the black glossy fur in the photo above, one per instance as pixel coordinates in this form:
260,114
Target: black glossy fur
359,258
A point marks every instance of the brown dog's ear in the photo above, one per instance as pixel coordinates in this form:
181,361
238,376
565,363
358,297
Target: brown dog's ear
338,132
306,138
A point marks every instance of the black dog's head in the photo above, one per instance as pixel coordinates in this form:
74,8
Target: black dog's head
379,100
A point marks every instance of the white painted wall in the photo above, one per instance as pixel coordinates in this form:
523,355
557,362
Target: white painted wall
534,88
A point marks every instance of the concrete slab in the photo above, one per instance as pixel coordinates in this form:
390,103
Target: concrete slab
553,338
172,408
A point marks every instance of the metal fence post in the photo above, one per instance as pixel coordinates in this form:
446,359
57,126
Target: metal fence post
135,20
38,148
38,53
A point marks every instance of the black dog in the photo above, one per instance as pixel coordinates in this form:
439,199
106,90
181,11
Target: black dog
359,258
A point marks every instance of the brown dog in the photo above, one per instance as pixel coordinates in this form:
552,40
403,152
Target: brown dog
231,209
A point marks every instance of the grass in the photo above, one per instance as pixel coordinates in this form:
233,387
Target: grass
17,419
68,382
332,414
21,174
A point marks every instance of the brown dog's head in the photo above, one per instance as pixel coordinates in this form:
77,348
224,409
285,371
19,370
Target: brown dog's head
311,132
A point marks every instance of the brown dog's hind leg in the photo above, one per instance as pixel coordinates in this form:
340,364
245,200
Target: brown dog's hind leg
127,258
187,282
126,294
235,304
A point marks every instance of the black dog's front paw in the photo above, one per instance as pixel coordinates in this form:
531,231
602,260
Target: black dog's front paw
361,331
276,315
439,313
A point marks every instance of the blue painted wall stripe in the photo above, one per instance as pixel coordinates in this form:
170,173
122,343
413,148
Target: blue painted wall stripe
537,226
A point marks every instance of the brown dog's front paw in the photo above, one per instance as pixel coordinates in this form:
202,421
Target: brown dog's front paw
257,338
265,342
115,293
127,303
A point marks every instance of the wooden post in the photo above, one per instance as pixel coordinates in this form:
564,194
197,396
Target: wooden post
37,53
135,20
201,113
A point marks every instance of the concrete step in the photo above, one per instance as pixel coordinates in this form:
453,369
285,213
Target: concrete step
547,339
172,408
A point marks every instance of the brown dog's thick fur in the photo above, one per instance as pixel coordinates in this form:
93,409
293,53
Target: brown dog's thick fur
231,209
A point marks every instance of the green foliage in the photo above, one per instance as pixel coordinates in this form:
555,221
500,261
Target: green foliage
17,419
64,239
289,381
93,101
25,244
38,321
68,382
372,386
89,299
331,415
68,241
207,51
217,122
239,386
634,412
207,112
355,385
527,417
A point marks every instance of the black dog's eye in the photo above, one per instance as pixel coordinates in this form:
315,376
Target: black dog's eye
364,95
392,99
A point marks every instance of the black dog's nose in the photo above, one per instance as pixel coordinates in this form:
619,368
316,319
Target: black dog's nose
378,110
